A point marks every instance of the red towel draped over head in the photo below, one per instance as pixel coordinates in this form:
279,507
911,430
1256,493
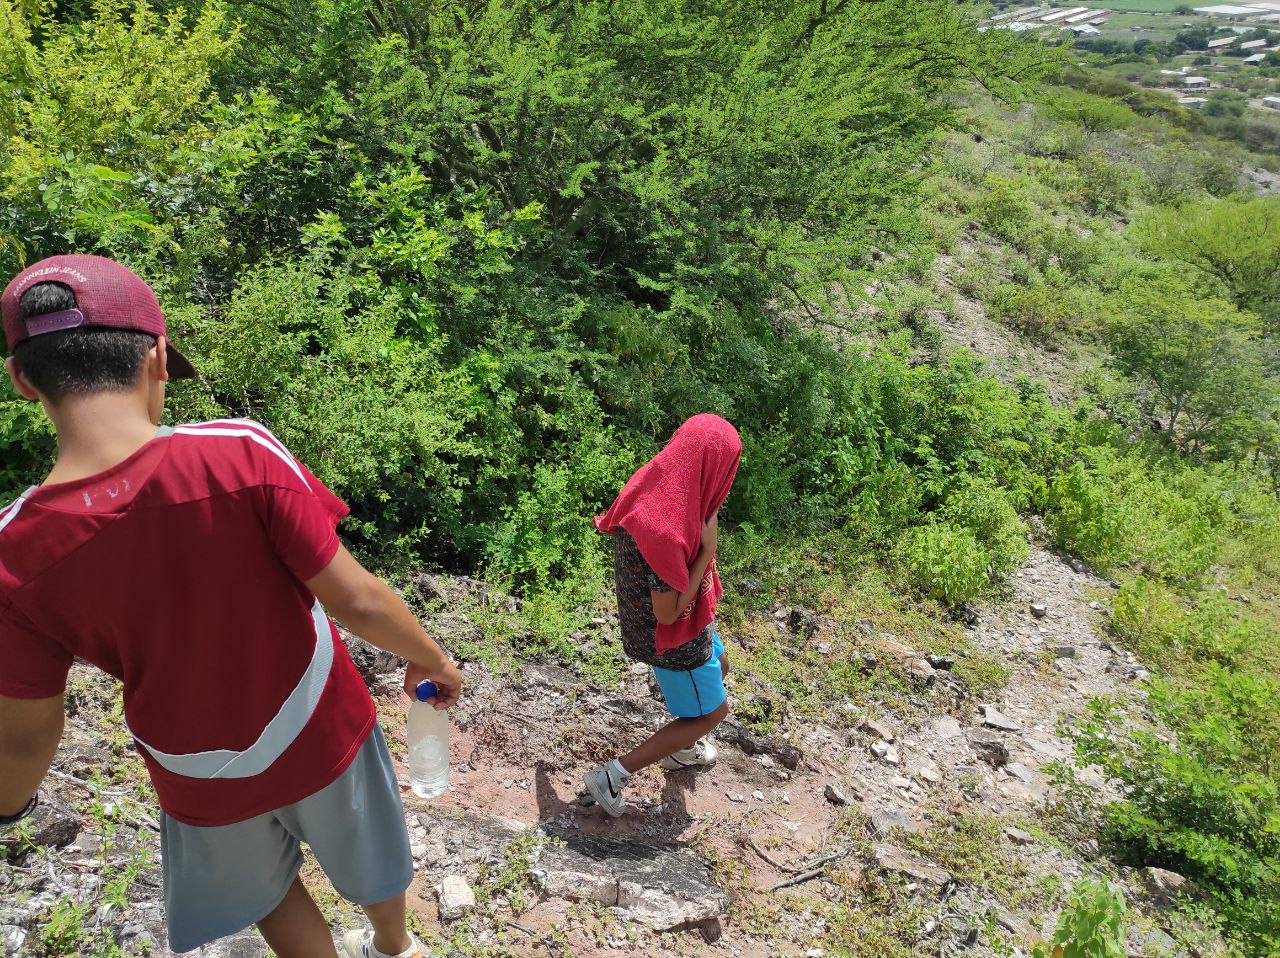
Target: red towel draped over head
665,505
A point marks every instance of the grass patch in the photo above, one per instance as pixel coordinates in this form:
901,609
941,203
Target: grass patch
975,851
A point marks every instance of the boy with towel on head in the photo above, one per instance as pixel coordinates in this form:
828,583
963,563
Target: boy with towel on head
664,525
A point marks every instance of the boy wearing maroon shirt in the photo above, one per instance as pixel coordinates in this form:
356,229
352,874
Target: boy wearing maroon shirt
198,565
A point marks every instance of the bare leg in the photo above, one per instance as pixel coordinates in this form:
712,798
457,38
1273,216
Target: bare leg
672,737
296,929
389,934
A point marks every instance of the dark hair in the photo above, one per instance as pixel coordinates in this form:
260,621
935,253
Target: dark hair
77,361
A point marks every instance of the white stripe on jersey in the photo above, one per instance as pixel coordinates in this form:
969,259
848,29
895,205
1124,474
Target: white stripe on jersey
243,424
254,435
8,514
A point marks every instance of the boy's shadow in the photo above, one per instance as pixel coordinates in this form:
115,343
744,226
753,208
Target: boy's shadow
667,825
550,804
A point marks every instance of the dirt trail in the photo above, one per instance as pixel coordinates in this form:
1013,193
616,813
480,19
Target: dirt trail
521,757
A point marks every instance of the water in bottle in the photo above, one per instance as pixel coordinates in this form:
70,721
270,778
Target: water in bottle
428,745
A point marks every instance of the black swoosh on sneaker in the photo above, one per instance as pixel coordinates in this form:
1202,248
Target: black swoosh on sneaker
615,792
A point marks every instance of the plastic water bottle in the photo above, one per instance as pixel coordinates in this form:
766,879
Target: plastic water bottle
428,745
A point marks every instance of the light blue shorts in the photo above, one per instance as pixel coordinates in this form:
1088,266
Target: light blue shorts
695,692
221,879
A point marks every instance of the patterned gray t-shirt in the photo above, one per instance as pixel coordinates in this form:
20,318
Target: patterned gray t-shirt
635,581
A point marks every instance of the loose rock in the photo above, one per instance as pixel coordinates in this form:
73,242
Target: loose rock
1018,836
802,621
752,744
921,671
990,748
993,717
890,858
12,939
886,753
52,823
455,897
1166,887
878,729
376,667
946,728
882,823
834,795
1020,772
655,886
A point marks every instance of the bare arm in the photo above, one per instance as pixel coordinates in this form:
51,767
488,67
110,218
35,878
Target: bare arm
30,730
669,606
373,611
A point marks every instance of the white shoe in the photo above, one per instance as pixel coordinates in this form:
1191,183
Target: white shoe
359,944
701,754
601,787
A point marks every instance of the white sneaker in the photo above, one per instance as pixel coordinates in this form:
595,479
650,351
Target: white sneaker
601,787
359,944
701,754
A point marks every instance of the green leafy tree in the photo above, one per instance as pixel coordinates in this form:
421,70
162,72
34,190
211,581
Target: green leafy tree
95,118
1197,363
1235,241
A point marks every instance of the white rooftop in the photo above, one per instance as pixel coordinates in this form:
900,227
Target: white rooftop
1231,10
1253,44
1222,42
1060,14
1014,14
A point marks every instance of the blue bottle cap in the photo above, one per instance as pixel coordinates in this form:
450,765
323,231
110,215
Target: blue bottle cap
425,690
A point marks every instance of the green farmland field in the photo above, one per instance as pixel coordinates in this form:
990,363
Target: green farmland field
1138,6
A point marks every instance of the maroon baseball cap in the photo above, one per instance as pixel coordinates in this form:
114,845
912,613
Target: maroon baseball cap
107,294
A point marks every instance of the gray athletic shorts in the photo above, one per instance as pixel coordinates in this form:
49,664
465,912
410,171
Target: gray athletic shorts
220,880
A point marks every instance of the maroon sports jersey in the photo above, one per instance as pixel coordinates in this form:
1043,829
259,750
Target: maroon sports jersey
180,572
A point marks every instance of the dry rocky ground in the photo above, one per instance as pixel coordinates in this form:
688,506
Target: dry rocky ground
933,829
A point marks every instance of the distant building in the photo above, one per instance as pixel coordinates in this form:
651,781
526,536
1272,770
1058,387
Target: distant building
1253,44
1222,43
1192,102
1271,102
1063,14
1255,60
1014,14
1085,30
1235,10
1195,83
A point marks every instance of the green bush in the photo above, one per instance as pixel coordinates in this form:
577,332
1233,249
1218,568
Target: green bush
1084,518
1146,512
1092,925
945,562
1005,211
986,511
1147,616
1201,807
